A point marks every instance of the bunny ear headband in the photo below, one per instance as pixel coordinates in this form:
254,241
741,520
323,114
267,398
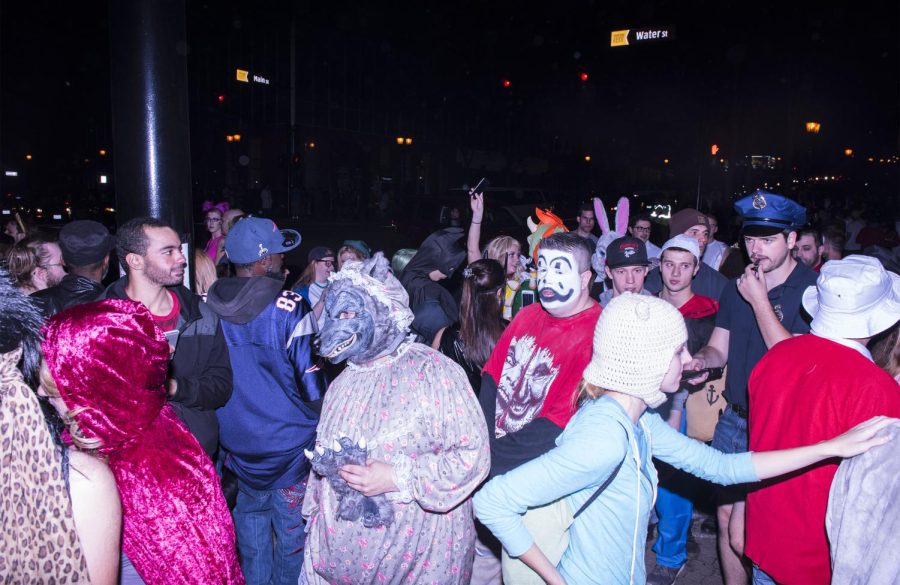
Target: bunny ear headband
221,206
623,207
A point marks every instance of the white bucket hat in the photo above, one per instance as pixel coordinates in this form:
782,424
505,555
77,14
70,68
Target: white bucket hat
854,298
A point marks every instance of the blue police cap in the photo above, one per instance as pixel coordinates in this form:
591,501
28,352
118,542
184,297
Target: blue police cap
771,210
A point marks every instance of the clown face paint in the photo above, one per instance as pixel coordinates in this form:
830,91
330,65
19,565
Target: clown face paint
559,283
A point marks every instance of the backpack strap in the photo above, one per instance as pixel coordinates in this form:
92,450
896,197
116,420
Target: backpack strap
606,483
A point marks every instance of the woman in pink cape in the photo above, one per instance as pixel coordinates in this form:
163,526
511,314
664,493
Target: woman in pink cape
105,369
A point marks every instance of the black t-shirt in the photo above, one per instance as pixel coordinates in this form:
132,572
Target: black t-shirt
745,343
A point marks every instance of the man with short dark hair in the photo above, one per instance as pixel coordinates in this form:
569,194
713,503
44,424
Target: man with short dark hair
626,266
642,228
694,224
85,246
757,311
199,370
278,390
586,222
809,248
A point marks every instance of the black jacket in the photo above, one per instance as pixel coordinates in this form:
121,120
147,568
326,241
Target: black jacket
72,290
200,366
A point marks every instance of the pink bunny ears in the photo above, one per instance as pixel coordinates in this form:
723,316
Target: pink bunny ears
221,206
623,207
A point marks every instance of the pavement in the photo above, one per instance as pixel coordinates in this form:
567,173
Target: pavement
700,569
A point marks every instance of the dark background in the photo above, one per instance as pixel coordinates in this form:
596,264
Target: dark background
743,76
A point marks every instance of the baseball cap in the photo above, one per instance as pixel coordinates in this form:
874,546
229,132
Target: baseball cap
318,253
626,251
253,238
84,242
685,243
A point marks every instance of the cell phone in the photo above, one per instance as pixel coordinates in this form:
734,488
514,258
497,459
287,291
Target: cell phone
527,297
481,186
172,338
714,374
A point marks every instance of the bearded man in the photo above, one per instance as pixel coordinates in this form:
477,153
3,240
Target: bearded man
149,251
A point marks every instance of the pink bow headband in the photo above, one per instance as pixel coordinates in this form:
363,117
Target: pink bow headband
222,206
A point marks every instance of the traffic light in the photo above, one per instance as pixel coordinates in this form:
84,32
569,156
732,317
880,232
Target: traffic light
584,76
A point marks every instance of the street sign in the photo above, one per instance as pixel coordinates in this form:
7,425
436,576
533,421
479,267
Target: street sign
625,37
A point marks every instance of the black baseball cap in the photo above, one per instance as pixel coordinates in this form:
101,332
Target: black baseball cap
627,251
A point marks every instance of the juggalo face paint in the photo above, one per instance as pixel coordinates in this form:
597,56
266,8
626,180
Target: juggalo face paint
559,282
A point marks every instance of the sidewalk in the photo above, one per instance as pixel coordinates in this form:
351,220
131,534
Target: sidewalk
702,569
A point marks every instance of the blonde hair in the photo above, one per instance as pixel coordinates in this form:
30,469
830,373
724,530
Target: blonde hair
204,273
497,248
52,391
586,391
351,249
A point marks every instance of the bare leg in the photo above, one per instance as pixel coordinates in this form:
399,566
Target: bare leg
731,543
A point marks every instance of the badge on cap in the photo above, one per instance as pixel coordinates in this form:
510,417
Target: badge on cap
629,251
263,251
759,202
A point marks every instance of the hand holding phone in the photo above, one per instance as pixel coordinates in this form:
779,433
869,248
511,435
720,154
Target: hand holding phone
479,187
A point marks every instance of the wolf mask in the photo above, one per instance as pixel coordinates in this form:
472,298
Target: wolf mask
366,314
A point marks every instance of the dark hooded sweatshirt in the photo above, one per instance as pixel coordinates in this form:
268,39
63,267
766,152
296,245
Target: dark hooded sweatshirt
432,305
278,386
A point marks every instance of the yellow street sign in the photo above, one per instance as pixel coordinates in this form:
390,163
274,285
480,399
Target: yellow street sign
242,75
619,38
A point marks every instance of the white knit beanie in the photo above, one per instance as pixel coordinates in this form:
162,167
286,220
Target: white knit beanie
634,342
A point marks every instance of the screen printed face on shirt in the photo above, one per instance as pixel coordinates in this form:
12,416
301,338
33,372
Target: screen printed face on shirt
559,281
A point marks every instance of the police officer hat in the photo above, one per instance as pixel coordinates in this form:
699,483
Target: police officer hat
765,209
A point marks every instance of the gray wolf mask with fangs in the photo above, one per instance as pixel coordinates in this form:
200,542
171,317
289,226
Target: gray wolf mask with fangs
366,314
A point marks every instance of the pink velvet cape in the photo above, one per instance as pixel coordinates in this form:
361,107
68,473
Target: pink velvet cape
109,361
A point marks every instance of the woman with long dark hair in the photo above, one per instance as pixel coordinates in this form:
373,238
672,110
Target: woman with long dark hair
470,342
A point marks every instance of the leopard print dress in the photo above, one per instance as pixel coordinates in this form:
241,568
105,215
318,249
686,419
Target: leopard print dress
38,541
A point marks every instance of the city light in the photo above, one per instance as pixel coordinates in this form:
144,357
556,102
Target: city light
584,76
407,140
848,152
587,158
229,138
311,145
399,140
506,83
28,157
11,173
237,137
813,127
665,161
102,152
103,179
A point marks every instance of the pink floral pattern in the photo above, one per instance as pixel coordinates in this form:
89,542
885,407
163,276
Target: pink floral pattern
419,407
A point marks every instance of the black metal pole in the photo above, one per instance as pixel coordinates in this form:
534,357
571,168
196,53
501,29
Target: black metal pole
150,112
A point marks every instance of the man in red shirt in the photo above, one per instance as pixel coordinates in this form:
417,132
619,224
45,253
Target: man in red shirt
807,389
529,383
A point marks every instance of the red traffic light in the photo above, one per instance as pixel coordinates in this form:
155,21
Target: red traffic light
584,76
221,98
506,83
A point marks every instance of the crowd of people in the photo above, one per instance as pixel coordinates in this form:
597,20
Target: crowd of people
502,412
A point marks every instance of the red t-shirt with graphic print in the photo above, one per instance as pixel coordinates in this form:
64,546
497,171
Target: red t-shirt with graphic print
537,364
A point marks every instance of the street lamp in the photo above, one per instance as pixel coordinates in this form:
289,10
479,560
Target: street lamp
848,152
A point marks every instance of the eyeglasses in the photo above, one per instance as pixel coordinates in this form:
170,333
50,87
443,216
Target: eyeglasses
327,262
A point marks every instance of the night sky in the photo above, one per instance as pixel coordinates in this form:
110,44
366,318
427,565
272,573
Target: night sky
745,76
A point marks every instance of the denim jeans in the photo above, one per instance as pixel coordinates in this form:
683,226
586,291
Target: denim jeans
675,510
760,577
731,437
270,533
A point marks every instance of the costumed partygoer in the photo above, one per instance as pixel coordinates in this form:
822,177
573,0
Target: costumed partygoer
432,305
401,446
639,352
108,361
38,538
